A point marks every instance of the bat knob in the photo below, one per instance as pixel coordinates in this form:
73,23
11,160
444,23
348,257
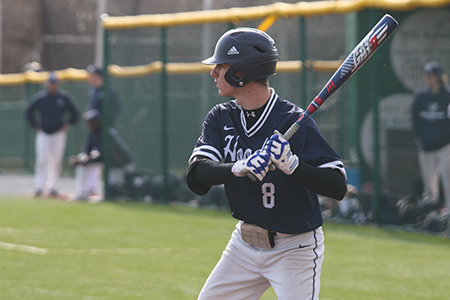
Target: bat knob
252,177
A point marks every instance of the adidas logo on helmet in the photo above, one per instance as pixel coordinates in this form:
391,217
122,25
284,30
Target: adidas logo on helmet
233,51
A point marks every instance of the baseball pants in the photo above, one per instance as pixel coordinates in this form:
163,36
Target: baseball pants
49,155
432,165
245,272
87,179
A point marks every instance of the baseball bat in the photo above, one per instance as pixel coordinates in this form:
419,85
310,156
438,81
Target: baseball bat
359,55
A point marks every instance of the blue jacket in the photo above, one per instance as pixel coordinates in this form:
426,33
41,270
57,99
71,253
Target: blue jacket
431,118
52,111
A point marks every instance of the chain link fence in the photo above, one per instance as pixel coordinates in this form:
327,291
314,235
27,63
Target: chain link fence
165,93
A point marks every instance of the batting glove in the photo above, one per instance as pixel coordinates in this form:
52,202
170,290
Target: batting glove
280,154
257,164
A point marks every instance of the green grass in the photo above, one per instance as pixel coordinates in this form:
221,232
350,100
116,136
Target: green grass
119,250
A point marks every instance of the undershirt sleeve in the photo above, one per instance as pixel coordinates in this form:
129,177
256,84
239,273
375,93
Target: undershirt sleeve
204,173
324,181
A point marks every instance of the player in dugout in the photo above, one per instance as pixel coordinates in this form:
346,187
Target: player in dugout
278,240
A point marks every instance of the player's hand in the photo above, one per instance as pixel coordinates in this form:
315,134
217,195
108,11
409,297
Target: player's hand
94,154
257,164
280,153
73,160
82,158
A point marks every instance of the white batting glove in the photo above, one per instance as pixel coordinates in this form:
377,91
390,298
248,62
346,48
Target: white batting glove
257,164
280,154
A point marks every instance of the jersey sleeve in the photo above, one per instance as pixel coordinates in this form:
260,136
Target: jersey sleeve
32,106
312,148
209,143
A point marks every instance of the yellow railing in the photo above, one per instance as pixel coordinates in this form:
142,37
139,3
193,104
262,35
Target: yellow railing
278,9
155,67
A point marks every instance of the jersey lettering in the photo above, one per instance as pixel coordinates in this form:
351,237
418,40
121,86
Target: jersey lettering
231,149
268,195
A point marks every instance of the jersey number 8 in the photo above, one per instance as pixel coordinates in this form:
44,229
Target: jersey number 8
268,194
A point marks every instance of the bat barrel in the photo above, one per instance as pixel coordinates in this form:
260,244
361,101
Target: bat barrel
362,52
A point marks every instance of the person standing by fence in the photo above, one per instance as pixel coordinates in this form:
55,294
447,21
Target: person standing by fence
89,163
431,125
97,94
51,106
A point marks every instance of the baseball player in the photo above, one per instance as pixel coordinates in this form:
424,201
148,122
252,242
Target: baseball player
51,105
278,240
96,93
431,124
89,163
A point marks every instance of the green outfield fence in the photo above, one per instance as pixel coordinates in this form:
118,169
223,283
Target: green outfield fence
154,63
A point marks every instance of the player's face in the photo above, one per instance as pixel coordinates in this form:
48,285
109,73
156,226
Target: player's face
432,81
53,88
96,80
218,73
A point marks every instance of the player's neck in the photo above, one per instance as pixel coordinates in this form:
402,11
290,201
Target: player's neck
253,96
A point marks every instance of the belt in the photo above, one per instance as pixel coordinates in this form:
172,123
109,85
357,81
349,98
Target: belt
257,236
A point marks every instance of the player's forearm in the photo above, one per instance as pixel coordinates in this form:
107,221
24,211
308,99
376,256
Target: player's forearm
323,181
209,172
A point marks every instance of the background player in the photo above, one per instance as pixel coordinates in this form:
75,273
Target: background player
96,94
431,124
278,240
89,163
51,106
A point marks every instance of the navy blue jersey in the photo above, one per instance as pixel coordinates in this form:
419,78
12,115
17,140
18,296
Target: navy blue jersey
52,110
431,118
278,202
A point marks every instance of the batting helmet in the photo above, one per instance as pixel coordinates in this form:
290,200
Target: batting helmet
245,49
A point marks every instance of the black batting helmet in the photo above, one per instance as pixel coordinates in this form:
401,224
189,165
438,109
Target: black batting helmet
245,49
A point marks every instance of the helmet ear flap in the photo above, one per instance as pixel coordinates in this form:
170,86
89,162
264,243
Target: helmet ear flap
238,75
235,77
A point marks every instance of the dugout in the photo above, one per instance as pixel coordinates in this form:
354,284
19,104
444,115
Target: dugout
153,61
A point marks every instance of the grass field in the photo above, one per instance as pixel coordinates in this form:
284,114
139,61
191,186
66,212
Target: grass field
118,250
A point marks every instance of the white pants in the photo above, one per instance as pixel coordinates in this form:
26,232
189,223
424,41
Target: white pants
49,155
88,179
245,272
433,164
